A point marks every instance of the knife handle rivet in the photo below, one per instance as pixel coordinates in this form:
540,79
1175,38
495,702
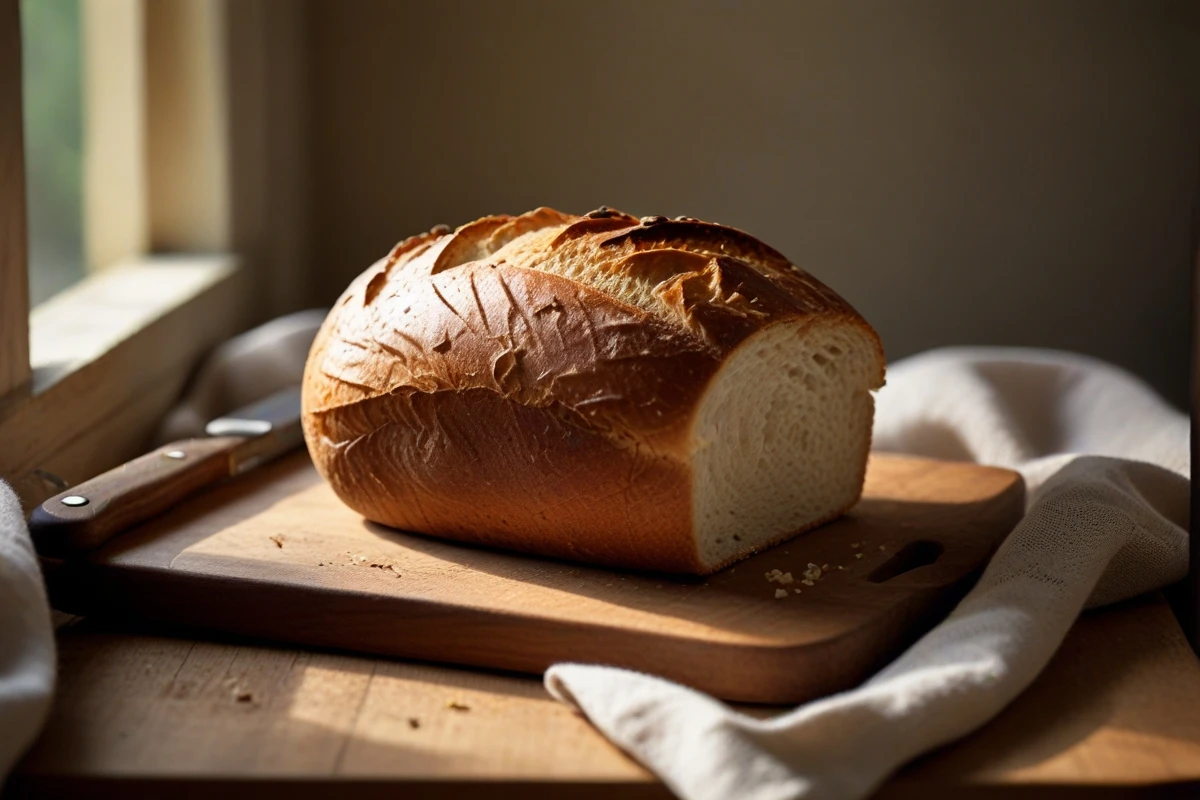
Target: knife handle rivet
175,454
74,500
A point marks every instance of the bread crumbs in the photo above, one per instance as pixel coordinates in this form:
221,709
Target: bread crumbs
780,594
779,577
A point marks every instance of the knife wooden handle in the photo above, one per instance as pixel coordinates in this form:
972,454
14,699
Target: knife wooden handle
88,515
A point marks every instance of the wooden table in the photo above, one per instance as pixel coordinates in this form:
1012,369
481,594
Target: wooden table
144,712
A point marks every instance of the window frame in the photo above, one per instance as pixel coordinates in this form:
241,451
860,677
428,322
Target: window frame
189,212
14,279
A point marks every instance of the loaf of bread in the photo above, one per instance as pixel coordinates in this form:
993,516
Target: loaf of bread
663,394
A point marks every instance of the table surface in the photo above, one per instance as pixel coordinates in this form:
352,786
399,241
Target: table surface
1117,711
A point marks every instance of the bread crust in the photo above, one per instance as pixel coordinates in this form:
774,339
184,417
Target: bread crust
530,382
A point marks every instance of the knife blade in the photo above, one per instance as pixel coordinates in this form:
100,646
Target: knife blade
86,516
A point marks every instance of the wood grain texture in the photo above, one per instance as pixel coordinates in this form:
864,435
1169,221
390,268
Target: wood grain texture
1113,715
14,268
277,555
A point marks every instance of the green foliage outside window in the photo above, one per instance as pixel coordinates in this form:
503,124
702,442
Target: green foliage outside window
53,100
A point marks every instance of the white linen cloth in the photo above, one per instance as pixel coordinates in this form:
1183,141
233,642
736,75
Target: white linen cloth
1099,528
26,637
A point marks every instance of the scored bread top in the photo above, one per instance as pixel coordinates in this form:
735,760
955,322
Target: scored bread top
617,322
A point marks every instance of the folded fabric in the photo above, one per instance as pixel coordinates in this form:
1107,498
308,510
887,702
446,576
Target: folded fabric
242,370
1106,464
26,637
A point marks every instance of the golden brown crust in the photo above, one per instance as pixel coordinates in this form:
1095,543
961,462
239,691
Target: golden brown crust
530,381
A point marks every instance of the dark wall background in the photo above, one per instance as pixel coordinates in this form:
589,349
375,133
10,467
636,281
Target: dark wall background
992,172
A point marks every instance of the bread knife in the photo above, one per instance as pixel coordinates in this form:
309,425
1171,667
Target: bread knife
86,516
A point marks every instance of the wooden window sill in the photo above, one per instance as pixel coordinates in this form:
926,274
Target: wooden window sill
109,357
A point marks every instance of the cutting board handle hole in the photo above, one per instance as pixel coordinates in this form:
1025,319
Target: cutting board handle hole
910,557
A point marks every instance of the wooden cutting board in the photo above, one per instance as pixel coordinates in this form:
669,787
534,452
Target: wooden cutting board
275,554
